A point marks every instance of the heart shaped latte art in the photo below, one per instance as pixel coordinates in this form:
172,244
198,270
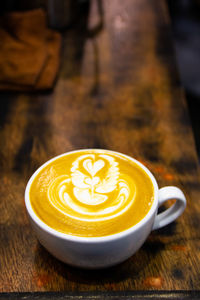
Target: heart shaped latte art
93,167
88,194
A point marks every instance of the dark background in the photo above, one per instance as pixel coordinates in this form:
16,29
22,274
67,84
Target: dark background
185,16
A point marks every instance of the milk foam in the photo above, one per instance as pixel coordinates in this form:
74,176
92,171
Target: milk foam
91,193
94,189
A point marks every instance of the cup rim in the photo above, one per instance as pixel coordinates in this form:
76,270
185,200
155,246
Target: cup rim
73,238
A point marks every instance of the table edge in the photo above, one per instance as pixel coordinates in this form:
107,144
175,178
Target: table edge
150,294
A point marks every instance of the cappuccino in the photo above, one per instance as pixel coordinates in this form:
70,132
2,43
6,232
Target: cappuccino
91,193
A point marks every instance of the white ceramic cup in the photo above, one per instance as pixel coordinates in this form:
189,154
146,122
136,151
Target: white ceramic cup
100,252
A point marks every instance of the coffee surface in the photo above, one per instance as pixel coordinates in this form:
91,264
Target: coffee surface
91,193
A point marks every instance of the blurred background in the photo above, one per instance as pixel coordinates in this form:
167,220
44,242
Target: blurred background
185,19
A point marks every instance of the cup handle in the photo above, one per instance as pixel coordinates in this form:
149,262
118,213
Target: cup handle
173,212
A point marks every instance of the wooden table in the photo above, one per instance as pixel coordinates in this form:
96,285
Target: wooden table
118,89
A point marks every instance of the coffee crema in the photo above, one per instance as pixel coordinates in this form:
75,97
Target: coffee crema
91,193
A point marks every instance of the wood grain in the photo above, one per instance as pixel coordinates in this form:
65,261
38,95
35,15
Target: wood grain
134,295
118,89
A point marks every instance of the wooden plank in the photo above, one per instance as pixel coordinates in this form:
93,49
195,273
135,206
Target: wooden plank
118,89
136,295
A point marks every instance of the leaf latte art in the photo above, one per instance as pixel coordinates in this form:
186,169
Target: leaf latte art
87,194
91,193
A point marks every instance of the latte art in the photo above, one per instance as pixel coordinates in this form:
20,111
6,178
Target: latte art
94,189
91,193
